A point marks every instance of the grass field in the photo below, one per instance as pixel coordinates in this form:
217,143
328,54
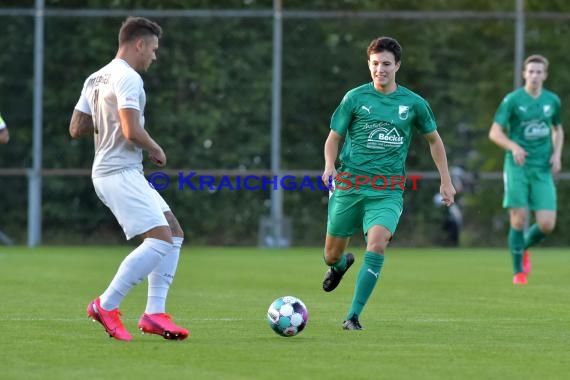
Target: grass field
436,314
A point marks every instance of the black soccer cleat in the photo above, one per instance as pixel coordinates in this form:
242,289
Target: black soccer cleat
332,277
352,324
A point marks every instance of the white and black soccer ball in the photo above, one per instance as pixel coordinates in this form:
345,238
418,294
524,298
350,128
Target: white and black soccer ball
287,316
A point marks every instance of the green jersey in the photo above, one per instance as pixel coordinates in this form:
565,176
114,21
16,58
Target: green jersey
378,129
528,121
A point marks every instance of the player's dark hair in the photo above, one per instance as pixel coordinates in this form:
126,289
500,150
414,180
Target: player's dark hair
381,44
137,27
536,58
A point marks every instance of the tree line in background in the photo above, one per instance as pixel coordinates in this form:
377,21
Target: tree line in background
209,106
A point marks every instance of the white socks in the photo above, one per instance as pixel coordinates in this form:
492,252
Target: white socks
134,268
160,279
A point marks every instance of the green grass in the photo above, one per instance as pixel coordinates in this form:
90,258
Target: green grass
436,314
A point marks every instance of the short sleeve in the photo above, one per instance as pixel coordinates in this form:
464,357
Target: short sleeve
503,113
342,116
128,90
83,103
2,123
425,118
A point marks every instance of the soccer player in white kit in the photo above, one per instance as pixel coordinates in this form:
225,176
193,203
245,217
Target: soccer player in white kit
111,109
4,134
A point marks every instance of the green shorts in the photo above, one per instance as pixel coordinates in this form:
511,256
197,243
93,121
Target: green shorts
348,212
528,187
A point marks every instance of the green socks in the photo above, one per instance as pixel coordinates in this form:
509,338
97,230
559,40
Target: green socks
533,236
340,265
516,245
365,282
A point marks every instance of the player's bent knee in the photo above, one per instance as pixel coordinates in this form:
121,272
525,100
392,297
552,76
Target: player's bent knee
378,248
547,227
378,243
517,224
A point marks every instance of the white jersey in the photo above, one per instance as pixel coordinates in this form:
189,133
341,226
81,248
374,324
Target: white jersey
115,86
2,123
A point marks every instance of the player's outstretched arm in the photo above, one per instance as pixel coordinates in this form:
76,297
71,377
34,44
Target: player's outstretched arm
439,157
81,124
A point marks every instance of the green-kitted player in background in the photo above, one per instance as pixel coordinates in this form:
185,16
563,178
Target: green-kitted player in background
527,125
376,120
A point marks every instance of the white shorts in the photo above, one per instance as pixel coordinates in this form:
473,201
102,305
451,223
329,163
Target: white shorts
136,205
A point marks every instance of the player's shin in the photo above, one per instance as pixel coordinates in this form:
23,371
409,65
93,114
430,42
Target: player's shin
534,236
160,279
366,282
134,268
516,246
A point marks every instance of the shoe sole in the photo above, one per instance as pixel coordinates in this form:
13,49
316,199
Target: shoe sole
166,334
344,327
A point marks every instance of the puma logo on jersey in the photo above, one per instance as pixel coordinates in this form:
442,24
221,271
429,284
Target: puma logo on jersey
367,109
522,108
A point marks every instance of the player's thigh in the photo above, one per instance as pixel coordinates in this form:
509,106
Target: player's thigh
542,191
169,215
345,213
516,187
134,203
384,212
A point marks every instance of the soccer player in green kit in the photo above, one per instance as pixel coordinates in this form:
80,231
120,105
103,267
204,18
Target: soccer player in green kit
376,121
527,125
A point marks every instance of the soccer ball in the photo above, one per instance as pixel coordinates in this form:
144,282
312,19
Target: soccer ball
287,316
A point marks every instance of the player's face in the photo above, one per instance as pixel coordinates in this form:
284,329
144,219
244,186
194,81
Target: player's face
383,68
147,47
534,74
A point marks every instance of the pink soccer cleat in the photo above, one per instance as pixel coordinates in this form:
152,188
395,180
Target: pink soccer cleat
110,319
520,279
526,264
161,324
